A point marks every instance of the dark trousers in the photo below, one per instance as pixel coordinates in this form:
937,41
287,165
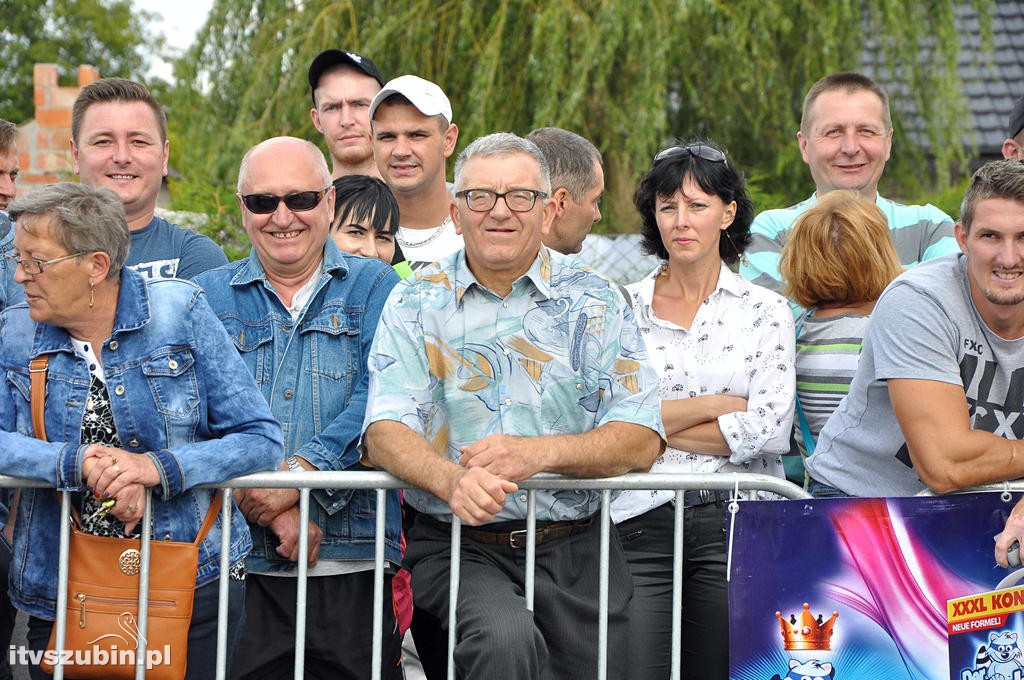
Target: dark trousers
497,637
339,625
647,542
202,632
431,643
7,611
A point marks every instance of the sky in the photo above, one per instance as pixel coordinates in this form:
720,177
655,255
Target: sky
178,20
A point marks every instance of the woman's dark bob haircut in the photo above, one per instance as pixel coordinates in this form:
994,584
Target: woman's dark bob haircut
715,177
366,200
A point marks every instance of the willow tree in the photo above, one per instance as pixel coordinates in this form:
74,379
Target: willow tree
627,75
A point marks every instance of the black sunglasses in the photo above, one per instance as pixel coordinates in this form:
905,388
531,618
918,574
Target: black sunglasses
703,151
300,201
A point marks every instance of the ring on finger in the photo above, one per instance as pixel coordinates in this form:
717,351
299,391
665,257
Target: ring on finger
115,468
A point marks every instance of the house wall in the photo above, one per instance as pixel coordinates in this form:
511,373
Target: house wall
44,149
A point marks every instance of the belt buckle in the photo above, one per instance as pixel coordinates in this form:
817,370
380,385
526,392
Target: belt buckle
705,496
517,539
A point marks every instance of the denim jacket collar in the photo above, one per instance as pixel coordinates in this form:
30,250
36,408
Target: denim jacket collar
133,312
252,270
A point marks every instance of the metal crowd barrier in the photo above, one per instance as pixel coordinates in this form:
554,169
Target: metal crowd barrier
1007,488
381,482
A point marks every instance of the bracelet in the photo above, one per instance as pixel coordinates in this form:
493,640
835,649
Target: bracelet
293,464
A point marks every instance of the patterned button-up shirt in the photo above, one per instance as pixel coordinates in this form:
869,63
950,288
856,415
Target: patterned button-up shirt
560,354
740,343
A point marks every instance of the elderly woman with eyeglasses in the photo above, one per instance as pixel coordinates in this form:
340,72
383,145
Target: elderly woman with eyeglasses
144,389
723,350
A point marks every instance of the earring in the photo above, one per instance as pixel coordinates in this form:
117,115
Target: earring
92,296
744,262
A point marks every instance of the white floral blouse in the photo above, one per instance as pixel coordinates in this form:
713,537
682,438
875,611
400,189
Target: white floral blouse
740,343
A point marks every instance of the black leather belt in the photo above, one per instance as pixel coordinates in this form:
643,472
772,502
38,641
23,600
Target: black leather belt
517,539
698,497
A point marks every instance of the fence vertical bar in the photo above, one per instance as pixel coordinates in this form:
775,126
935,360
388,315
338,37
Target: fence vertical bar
602,610
531,546
453,591
677,585
300,592
378,584
142,644
226,503
62,583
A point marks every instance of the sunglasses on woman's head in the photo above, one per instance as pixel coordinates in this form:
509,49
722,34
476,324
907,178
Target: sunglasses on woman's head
300,201
702,151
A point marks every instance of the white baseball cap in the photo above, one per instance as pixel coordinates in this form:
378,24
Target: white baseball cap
428,98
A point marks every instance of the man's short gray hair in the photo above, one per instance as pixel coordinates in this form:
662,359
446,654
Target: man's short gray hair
503,144
85,219
8,135
571,159
316,157
996,179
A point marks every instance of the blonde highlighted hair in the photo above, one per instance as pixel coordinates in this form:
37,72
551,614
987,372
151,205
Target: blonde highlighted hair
839,252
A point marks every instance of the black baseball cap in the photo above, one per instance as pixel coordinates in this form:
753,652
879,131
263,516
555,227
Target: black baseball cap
1017,118
329,58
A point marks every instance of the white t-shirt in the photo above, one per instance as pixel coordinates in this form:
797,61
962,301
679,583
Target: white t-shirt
423,246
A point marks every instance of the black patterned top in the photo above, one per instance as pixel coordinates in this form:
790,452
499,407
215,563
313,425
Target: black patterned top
98,427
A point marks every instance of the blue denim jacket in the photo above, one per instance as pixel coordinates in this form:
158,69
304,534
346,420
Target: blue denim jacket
178,392
10,292
8,295
314,376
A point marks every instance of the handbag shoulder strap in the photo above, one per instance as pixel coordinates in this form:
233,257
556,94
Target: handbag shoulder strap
211,517
37,369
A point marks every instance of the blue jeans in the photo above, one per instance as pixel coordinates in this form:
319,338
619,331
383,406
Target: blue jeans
822,490
202,633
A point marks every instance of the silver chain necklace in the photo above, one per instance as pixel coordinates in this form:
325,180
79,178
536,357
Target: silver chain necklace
416,244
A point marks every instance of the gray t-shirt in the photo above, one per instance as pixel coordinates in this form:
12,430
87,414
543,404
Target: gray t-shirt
926,327
162,250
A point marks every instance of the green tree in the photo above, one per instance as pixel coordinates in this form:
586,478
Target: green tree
627,75
109,34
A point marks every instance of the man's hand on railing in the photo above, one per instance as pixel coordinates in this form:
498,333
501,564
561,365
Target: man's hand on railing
286,527
261,506
502,455
476,495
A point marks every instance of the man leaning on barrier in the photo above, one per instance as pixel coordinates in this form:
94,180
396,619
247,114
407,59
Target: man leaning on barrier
496,363
936,399
302,315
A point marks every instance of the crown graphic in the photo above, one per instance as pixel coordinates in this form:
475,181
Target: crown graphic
808,632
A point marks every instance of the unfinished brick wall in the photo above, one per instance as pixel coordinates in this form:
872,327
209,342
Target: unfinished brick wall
44,151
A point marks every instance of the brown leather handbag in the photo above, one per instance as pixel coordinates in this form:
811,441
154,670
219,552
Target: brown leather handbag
102,633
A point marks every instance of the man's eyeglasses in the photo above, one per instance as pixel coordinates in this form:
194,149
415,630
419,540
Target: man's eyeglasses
517,200
300,201
33,265
702,151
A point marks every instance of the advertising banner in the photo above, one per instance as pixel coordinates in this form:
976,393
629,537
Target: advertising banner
868,588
